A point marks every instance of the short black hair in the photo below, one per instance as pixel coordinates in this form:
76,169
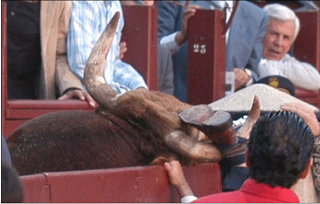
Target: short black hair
280,147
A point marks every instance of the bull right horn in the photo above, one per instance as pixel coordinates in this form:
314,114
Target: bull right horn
190,148
253,116
94,79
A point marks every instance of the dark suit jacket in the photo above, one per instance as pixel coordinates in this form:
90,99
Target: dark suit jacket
244,47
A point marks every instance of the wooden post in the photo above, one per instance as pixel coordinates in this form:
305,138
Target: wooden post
207,57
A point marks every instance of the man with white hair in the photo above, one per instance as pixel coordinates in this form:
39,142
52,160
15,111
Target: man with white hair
282,31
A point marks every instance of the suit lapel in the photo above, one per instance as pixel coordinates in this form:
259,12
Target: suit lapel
238,28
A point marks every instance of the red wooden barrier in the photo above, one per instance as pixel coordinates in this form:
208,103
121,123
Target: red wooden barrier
131,184
36,188
307,49
3,63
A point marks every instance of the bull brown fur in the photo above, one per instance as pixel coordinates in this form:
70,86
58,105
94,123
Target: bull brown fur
136,128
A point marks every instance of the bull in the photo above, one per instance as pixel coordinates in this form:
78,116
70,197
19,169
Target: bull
139,127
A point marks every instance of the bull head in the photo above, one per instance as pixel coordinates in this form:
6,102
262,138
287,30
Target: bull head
134,105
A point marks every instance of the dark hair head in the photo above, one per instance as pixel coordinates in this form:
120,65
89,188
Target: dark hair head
280,147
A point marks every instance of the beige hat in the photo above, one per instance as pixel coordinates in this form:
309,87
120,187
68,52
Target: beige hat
270,99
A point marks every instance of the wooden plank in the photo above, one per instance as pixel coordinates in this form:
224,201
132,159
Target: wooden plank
306,48
206,57
36,189
141,184
307,45
4,95
140,33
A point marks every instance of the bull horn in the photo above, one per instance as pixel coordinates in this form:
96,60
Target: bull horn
190,148
253,116
94,79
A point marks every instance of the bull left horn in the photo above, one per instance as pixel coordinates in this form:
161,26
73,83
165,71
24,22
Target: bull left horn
94,79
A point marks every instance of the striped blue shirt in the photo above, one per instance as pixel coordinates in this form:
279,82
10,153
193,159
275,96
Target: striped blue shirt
88,21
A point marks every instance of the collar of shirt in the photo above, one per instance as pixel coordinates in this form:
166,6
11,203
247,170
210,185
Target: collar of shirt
264,191
221,5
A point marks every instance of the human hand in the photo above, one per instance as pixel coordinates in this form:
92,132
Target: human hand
306,113
189,11
176,177
78,94
240,78
149,3
123,49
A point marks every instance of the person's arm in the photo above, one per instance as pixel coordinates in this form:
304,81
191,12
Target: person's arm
127,76
68,84
257,50
168,33
178,180
301,74
250,73
165,71
307,114
168,14
242,78
182,35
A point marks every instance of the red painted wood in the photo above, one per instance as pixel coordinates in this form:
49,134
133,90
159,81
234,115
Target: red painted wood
307,49
4,95
307,44
11,125
132,184
141,34
36,189
206,71
48,104
18,112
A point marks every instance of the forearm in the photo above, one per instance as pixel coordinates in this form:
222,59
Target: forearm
170,43
184,190
127,76
301,74
168,16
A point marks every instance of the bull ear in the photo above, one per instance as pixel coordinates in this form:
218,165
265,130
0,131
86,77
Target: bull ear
190,148
254,114
94,79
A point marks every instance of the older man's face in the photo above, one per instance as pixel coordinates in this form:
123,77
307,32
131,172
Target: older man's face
278,39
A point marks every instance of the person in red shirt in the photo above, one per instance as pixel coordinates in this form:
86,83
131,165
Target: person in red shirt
279,154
